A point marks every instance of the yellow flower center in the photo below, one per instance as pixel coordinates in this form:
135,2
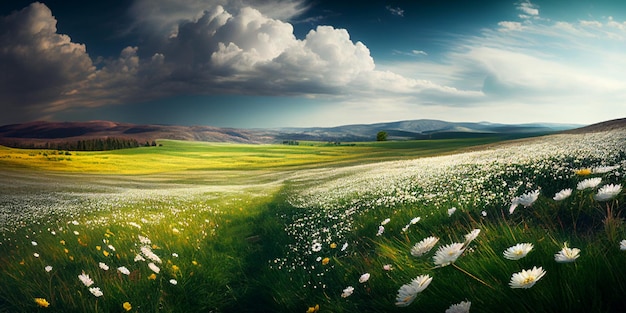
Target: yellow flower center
528,280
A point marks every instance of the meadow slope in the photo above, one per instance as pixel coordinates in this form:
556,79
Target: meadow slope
233,228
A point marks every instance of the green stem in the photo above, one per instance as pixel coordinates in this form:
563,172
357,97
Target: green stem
472,276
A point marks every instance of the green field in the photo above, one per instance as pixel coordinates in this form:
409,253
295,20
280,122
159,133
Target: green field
207,227
184,155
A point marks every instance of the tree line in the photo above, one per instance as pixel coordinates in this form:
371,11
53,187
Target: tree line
94,144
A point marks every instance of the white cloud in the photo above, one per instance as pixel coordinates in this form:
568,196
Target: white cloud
510,26
535,63
529,9
595,24
537,69
615,24
161,18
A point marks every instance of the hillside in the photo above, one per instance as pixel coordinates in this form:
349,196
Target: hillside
37,134
599,127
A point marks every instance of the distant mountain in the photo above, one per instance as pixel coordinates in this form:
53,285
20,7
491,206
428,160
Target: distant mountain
37,134
417,129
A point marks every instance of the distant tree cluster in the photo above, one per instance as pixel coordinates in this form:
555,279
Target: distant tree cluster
291,142
381,136
95,144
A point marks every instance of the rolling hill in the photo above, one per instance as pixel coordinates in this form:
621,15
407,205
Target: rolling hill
38,133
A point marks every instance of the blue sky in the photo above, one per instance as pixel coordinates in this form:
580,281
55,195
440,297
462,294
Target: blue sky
279,63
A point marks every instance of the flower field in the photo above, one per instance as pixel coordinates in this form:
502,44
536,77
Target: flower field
528,226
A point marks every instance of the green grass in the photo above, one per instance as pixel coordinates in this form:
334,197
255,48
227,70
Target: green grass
174,156
223,222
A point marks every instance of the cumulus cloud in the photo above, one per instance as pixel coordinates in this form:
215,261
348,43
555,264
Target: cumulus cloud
247,52
202,48
162,18
216,51
40,66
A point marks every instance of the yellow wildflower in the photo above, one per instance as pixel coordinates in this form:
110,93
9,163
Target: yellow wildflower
175,268
583,172
98,248
325,261
152,276
333,245
313,309
42,302
127,306
194,262
62,242
106,253
66,251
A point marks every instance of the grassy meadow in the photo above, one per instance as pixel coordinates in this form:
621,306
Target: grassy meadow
371,227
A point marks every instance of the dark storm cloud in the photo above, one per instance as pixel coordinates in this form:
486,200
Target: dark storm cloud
39,66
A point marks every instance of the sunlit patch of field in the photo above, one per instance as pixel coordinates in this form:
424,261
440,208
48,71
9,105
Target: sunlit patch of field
175,156
337,236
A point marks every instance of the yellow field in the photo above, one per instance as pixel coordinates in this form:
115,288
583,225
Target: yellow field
184,155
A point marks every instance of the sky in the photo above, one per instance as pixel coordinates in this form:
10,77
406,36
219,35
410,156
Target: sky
305,63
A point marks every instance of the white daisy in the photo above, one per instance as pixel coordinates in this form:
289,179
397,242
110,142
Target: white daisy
589,183
518,251
567,255
526,200
316,247
448,254
147,252
604,169
85,279
344,247
96,291
462,307
347,292
424,246
608,192
471,236
154,268
385,221
408,292
365,277
451,211
526,278
123,270
381,230
103,266
563,194
622,245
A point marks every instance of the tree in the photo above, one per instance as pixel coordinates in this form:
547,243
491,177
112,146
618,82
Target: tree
381,136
